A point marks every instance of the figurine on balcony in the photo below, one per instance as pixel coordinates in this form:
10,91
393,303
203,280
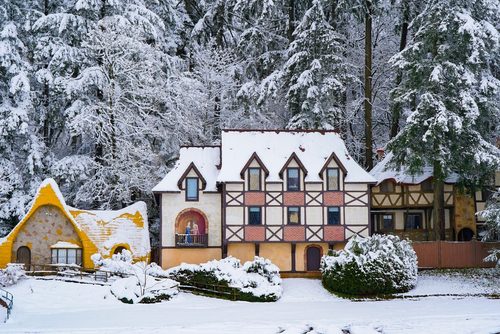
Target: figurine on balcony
188,233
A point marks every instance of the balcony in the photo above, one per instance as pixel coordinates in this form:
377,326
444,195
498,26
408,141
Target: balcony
191,240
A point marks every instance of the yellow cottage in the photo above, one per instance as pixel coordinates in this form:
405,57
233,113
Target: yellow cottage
53,232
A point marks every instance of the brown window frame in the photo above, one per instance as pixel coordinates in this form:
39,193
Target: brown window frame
380,221
197,189
328,216
288,215
260,178
288,178
327,179
260,215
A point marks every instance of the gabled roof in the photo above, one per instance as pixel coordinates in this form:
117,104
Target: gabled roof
293,156
382,172
275,147
327,162
101,229
192,167
205,159
255,157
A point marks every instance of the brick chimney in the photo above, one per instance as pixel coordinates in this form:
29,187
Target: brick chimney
380,154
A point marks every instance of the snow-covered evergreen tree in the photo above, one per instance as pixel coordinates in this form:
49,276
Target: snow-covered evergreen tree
450,92
491,215
316,73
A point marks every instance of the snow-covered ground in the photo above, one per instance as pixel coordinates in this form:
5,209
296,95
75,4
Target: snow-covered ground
60,307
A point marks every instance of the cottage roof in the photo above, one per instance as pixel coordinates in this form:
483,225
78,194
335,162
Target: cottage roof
382,172
275,147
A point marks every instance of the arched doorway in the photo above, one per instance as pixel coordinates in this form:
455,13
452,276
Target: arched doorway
313,258
24,256
465,234
191,228
119,249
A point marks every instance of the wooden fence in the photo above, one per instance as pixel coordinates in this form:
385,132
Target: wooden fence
451,254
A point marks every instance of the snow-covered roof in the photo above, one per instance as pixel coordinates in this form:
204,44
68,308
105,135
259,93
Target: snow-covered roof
274,148
381,172
206,159
105,229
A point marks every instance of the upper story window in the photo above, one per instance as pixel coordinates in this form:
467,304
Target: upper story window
332,179
254,215
254,179
387,187
427,185
192,189
293,179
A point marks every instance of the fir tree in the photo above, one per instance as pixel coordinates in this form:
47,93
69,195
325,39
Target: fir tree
450,90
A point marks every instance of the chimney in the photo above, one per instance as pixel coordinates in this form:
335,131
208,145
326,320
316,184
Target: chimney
380,154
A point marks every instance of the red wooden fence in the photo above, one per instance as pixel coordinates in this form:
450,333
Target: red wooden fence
451,254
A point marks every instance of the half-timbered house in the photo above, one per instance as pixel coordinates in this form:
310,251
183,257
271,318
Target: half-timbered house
285,195
401,204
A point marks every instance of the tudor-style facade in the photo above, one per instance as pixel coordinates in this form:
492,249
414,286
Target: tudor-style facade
401,204
284,195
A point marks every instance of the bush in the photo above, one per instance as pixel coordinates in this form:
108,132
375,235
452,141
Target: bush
12,274
380,264
144,289
256,280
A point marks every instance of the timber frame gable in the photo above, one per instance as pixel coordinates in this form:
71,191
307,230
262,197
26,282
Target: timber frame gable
254,157
192,167
293,157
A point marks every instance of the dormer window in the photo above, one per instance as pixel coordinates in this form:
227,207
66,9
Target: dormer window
254,179
293,179
387,187
192,188
332,179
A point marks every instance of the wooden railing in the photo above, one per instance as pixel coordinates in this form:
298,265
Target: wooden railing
191,240
7,299
211,290
71,270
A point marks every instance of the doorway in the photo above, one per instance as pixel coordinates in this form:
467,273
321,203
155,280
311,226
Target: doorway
24,256
313,258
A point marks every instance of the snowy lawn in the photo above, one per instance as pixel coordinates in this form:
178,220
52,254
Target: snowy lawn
306,307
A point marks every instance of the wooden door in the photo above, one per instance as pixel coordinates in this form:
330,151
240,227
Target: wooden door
24,256
313,258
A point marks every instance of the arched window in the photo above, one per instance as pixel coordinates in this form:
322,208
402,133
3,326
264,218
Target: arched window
119,249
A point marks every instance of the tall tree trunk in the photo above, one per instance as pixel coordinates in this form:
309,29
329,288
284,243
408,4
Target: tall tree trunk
438,203
291,20
219,25
396,106
368,86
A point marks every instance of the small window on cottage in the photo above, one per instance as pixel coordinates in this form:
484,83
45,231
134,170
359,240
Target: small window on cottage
192,189
427,185
332,179
293,215
293,181
333,215
254,215
66,256
413,221
387,187
254,179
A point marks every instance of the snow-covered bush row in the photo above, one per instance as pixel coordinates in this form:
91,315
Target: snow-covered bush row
379,264
257,280
140,282
12,274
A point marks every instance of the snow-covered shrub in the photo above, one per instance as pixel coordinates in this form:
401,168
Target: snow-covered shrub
120,264
12,274
379,264
257,280
144,289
